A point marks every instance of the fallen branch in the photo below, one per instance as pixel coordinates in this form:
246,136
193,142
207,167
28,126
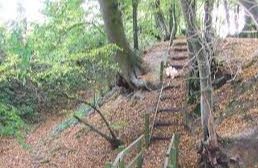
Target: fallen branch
114,141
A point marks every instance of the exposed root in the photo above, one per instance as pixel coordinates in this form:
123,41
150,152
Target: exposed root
211,156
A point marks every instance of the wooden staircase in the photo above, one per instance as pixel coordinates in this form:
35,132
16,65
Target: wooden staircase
168,121
169,99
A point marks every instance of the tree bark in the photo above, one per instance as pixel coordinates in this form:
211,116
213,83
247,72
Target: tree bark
172,20
160,21
225,3
130,64
209,36
188,9
135,24
236,17
198,48
210,152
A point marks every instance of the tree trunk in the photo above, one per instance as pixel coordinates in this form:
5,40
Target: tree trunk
197,48
225,2
252,7
236,11
209,36
210,153
188,8
130,64
135,26
172,20
160,21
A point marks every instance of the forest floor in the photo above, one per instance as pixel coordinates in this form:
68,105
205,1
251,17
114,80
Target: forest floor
236,114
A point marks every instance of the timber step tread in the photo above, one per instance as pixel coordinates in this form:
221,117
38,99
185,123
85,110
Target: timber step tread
178,58
171,87
170,110
178,66
165,124
166,97
160,138
180,43
180,49
180,76
163,98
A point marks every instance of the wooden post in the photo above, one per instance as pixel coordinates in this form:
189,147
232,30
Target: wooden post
161,71
108,165
147,129
173,156
140,159
121,163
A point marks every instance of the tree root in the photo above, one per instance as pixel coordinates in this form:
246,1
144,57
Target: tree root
212,157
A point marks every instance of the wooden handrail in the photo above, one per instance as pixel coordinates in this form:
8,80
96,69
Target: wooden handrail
171,160
134,160
120,156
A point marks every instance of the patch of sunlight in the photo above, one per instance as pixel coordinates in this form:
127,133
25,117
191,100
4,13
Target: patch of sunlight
236,21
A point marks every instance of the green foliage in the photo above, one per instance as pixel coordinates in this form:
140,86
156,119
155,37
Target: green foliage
10,122
68,52
64,54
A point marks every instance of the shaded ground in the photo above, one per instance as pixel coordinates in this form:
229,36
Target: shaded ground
236,112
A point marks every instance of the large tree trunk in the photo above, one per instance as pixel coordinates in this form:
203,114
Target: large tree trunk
252,7
160,21
130,64
210,152
198,52
188,9
135,26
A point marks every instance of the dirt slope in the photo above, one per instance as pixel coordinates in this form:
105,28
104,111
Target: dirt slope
236,112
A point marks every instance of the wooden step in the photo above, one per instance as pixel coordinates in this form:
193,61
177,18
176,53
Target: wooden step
180,43
179,58
181,76
177,66
170,110
168,87
165,97
180,49
160,138
165,123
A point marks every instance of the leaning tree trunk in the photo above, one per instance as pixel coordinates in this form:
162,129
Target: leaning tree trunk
160,21
188,8
130,64
135,26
